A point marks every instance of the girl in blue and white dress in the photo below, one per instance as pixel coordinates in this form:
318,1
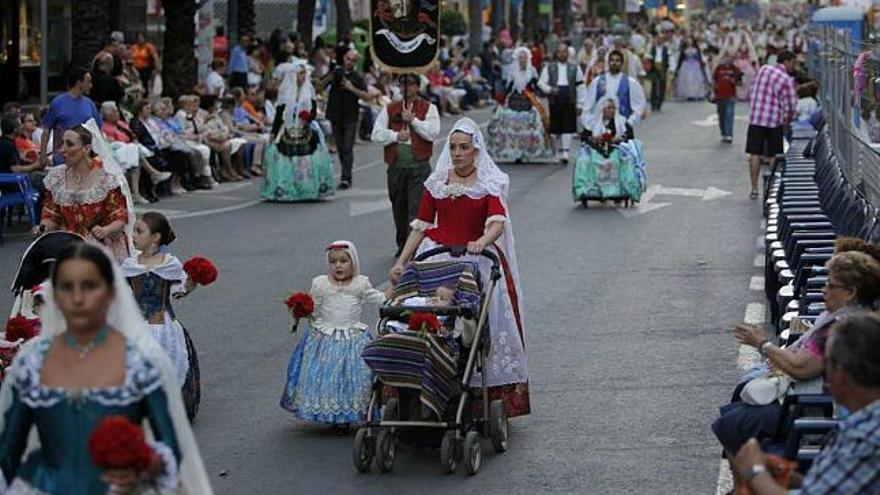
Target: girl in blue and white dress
327,381
155,277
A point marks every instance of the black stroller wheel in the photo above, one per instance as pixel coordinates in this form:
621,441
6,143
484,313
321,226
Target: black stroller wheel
585,202
386,450
449,452
364,450
498,426
473,452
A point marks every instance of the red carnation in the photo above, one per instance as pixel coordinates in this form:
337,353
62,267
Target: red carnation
607,137
305,115
200,270
20,328
117,443
301,303
424,322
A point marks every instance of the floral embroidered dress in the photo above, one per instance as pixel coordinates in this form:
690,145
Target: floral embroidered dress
454,220
152,288
327,381
65,419
80,211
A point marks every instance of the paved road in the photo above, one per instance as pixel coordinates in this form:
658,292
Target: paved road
628,319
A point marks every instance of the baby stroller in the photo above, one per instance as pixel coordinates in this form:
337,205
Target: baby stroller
607,171
35,267
431,373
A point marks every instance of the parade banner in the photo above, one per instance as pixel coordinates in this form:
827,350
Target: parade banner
404,34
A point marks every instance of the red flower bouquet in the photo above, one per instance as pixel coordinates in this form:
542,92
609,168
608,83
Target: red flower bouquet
117,443
200,270
606,137
21,328
305,115
301,305
424,322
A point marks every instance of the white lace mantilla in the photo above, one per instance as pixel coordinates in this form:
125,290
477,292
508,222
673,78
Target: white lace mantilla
56,183
141,379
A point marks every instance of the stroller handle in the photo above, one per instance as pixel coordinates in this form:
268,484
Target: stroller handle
404,312
459,251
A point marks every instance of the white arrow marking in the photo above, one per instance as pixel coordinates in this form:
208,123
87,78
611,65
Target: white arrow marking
355,193
707,194
358,208
714,193
641,209
707,122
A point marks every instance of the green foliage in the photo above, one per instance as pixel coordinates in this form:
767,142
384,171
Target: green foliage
453,23
363,24
605,9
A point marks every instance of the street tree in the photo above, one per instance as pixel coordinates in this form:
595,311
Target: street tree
180,72
562,11
90,22
305,14
343,19
475,26
247,17
530,18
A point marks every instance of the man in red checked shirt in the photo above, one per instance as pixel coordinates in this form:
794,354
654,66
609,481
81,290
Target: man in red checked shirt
773,102
726,77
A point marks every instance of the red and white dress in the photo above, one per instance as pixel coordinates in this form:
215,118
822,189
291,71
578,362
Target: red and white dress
80,211
455,219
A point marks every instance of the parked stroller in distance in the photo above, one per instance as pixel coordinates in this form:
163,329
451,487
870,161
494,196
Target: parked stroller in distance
431,372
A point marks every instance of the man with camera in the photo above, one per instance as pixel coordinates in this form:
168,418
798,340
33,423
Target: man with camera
347,86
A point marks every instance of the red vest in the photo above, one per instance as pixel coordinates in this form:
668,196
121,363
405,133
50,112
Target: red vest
422,148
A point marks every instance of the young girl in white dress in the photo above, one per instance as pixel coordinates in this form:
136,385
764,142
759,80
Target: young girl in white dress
327,381
155,277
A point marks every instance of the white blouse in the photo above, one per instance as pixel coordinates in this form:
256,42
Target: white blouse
340,307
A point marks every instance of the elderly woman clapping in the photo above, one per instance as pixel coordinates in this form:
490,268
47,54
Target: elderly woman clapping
853,285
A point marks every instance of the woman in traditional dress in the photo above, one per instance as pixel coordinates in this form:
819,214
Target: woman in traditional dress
298,165
518,130
465,204
691,80
745,58
85,196
94,358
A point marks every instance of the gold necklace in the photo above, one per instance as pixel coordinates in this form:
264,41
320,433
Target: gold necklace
77,178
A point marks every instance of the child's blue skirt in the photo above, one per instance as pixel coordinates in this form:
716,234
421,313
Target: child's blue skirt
327,381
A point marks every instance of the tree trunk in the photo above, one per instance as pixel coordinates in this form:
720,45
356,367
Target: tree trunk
343,19
475,26
562,11
304,19
247,18
180,70
91,21
498,17
530,18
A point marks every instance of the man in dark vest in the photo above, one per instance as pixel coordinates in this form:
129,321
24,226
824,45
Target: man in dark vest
659,55
407,129
564,83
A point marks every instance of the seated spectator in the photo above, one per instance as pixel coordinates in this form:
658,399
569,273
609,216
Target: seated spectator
128,153
10,161
248,128
105,86
169,152
853,286
199,154
192,119
850,460
440,86
25,143
230,150
252,101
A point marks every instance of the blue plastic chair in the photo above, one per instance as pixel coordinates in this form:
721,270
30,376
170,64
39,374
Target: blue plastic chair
25,195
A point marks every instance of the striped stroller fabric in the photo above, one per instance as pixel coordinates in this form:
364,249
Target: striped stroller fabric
424,362
422,278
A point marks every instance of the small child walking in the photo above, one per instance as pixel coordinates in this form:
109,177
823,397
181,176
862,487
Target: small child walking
727,77
327,381
155,276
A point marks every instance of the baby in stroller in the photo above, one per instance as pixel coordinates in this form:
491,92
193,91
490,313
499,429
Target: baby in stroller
443,297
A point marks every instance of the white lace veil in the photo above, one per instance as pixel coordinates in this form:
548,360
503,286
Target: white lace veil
596,124
125,316
519,77
102,149
490,181
295,98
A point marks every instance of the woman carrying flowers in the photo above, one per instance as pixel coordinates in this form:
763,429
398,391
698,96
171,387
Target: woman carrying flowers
327,381
298,165
155,276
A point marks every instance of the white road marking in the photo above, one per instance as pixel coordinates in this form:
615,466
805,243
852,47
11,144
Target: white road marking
756,283
759,260
708,194
214,211
725,478
358,208
167,213
641,209
754,314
